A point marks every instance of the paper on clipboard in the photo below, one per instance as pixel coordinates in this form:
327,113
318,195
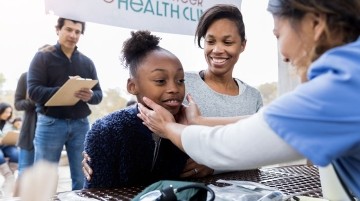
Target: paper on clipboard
65,95
10,138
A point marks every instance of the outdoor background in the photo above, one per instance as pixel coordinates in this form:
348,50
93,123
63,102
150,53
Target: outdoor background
24,27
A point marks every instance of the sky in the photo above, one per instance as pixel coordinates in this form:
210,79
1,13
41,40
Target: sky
24,27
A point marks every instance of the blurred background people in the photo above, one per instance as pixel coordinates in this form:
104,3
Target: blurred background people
16,123
27,132
8,153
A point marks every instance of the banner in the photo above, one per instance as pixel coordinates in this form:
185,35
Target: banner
169,16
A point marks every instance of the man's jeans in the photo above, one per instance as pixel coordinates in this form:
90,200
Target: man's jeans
50,137
26,159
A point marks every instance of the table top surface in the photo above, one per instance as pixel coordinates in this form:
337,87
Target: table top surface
291,180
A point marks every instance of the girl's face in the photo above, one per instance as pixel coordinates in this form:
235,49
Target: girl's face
160,77
6,114
222,47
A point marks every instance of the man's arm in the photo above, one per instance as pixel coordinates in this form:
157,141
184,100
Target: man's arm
37,80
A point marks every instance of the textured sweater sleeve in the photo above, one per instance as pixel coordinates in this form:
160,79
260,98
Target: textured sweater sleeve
101,143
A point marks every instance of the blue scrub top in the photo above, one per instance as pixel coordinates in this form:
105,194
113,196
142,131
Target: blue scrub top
321,118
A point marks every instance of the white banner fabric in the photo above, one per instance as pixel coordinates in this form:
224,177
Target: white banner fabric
169,16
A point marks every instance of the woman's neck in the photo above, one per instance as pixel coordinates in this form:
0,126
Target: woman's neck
224,84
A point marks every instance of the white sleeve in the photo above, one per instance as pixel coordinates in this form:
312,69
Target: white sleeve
246,144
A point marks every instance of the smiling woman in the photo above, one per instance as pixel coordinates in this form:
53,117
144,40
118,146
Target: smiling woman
215,90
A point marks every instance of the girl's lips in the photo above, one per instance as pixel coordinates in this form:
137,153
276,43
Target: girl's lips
172,103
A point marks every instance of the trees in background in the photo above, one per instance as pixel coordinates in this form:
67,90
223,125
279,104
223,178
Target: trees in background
115,99
2,80
268,92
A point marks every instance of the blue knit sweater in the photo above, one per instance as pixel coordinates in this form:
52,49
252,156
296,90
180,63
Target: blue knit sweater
125,152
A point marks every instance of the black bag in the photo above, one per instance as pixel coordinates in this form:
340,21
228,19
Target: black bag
167,190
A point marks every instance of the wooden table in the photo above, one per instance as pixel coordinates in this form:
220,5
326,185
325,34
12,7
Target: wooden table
291,180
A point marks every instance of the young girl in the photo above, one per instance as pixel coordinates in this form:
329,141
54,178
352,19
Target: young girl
122,150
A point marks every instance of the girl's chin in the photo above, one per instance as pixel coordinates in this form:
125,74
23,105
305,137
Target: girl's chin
174,111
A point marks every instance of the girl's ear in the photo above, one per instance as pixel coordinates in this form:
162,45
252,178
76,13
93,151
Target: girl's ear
131,86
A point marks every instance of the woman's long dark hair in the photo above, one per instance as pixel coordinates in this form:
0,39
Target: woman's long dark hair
3,107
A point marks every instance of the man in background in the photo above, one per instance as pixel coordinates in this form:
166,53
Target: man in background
57,126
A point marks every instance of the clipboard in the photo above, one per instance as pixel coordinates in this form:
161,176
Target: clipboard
10,138
65,95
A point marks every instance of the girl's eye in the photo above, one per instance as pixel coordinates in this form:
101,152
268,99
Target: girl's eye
159,81
181,81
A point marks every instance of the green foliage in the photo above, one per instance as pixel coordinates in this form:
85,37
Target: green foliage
268,92
113,100
2,81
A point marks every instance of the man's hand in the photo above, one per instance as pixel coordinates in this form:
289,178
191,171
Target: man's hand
84,94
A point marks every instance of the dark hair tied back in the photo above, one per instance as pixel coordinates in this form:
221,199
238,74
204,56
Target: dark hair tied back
217,12
342,19
135,48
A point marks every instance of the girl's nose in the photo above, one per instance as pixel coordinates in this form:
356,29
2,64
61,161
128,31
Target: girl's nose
174,87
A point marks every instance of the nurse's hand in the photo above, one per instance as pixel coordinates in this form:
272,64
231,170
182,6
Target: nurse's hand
155,119
161,121
191,111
